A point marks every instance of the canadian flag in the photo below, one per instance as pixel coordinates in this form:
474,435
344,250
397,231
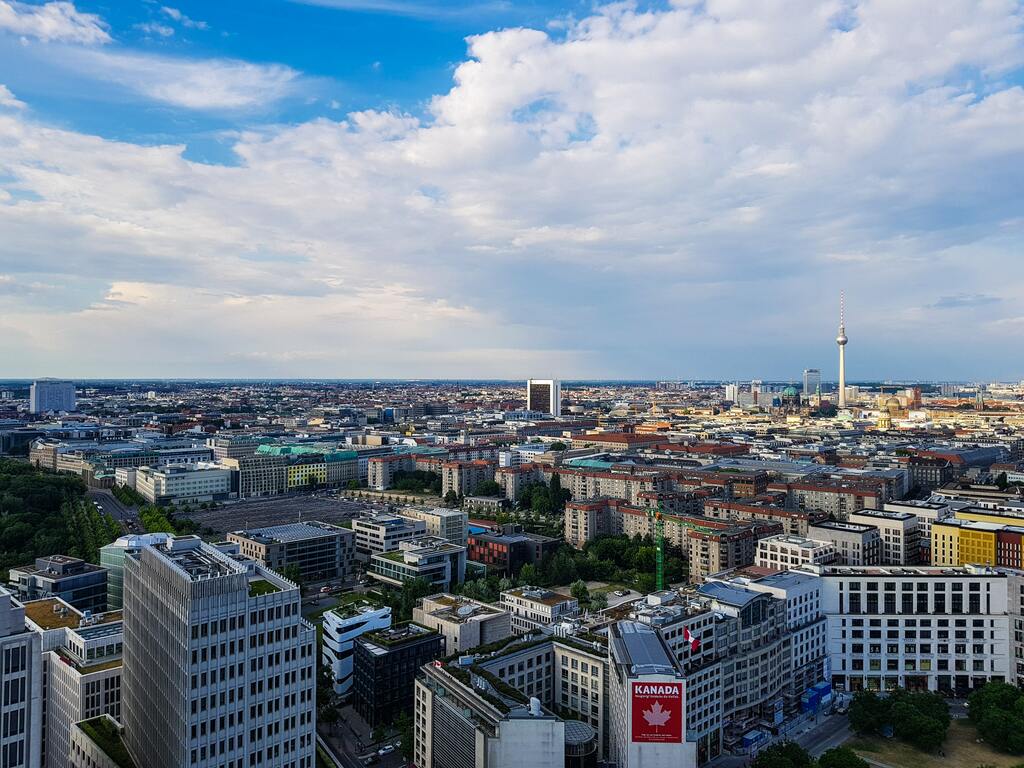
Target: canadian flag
692,639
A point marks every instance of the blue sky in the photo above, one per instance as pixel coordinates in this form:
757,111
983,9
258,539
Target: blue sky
424,188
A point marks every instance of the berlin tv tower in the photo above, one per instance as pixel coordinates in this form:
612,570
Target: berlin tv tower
841,341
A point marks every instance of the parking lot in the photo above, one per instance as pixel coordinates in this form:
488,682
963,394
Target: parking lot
259,513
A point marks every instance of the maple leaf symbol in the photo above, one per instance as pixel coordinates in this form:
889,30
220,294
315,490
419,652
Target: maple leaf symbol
656,716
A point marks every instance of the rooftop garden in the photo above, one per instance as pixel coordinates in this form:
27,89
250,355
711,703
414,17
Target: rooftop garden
107,736
259,587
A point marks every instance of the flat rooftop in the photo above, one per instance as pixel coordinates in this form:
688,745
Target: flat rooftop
291,532
640,648
539,595
54,613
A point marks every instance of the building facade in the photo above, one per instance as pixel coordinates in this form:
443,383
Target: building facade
319,551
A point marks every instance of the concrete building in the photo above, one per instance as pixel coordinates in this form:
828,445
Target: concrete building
219,665
646,701
381,469
900,534
464,623
21,679
258,474
544,396
812,382
341,627
47,395
383,533
784,551
183,483
926,512
833,497
921,628
81,665
449,524
320,551
463,477
855,544
74,581
112,558
534,608
99,743
459,726
441,564
386,662
794,521
235,446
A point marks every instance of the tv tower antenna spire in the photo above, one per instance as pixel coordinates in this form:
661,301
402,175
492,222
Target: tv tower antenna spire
841,341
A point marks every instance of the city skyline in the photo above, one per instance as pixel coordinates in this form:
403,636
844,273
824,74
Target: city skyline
390,189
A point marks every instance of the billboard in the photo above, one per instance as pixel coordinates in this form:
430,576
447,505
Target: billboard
658,712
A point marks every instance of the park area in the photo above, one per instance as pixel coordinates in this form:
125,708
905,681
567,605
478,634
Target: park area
960,749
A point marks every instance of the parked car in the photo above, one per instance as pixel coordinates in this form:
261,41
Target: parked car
387,749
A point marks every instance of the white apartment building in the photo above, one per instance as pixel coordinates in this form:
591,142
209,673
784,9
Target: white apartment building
341,627
899,531
926,512
219,665
383,533
21,708
449,524
784,551
537,608
81,662
916,627
855,544
183,483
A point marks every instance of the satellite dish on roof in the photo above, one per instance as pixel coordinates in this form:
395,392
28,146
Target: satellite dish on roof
467,610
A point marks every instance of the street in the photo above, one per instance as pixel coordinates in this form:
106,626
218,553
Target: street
831,731
112,506
348,743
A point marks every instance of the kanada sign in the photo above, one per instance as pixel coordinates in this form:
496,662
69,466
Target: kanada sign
658,712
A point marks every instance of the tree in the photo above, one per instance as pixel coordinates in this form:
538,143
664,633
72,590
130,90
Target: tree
598,601
487,488
788,754
404,726
451,499
841,757
353,485
558,445
579,590
528,575
1002,481
868,713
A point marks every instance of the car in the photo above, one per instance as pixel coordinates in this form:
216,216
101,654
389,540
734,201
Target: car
387,749
325,590
621,593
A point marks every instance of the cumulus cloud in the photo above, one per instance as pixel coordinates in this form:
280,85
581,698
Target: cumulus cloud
679,192
52,22
155,29
7,99
965,300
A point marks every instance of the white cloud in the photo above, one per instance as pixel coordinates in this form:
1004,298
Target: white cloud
203,84
661,193
182,19
52,22
155,29
7,99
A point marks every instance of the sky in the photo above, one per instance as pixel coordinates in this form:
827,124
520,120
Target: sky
511,188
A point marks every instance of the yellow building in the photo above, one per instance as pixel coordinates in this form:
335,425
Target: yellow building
962,542
304,474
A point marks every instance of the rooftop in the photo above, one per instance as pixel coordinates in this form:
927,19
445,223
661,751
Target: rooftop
283,534
539,595
640,648
54,613
105,734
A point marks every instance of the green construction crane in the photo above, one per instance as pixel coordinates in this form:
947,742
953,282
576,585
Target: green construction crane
659,543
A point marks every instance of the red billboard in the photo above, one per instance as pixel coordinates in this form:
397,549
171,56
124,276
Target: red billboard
658,712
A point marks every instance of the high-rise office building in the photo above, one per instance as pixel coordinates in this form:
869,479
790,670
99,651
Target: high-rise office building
732,392
51,395
219,666
544,396
21,708
812,381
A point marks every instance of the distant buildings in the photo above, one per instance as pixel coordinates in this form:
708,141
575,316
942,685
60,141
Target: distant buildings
218,664
74,581
544,396
183,483
383,533
812,382
319,551
46,395
449,524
